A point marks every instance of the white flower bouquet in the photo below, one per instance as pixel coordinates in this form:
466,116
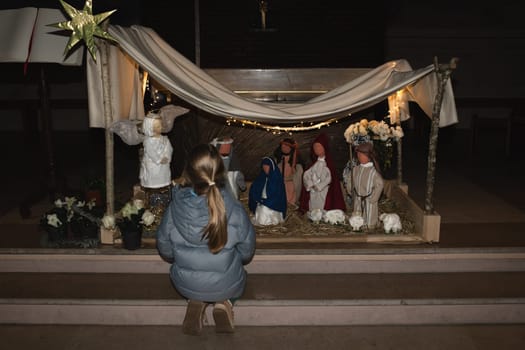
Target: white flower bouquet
381,134
70,216
132,217
366,131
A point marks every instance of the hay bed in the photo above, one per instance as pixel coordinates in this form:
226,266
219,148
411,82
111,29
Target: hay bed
297,225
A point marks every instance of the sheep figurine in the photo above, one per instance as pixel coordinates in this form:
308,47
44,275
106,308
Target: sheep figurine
315,215
391,222
356,221
334,216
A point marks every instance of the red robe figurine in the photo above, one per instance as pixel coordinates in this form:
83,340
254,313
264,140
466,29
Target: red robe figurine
334,197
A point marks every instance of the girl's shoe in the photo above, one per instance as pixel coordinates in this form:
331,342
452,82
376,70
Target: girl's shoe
194,317
223,316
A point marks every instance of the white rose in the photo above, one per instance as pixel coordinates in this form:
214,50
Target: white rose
348,134
148,218
398,132
129,210
59,203
108,221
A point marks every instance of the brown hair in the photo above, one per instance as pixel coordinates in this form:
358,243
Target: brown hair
204,171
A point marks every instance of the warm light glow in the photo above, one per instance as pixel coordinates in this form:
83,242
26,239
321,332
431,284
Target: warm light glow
397,105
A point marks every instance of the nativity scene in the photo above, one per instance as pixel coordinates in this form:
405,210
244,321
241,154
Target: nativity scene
289,199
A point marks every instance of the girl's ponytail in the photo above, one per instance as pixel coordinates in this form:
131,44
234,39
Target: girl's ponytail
205,172
216,230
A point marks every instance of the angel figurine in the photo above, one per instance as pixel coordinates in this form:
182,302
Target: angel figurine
155,169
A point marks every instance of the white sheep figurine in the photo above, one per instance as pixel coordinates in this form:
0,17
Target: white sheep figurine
315,215
356,221
334,216
391,222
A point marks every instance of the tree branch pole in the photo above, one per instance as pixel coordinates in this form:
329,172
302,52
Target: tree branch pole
443,73
108,117
399,158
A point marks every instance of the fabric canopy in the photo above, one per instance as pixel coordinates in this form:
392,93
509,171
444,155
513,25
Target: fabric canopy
192,84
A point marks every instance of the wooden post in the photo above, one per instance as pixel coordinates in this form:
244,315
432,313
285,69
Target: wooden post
443,73
108,117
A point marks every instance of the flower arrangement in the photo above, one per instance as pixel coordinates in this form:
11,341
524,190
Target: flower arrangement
70,215
366,131
380,134
132,217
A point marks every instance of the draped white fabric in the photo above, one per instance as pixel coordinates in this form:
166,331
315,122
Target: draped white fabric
125,88
192,84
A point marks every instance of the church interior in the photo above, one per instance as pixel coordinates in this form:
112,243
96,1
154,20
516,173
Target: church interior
464,291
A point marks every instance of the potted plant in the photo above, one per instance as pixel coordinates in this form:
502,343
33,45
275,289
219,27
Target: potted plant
71,217
54,223
131,220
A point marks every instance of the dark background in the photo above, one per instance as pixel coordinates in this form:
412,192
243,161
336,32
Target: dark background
298,33
488,38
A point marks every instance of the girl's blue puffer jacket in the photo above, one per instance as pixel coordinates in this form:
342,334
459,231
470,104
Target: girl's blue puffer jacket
197,273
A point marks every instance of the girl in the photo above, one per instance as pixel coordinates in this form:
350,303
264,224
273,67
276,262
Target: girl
207,236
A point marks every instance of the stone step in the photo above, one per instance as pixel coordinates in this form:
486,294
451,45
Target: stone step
285,287
296,261
269,313
270,299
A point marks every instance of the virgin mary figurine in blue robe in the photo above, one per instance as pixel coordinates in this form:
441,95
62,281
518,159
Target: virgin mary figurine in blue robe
267,196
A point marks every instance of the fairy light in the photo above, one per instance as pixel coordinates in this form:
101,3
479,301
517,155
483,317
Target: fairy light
277,129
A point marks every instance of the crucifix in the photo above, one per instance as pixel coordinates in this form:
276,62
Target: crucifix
263,9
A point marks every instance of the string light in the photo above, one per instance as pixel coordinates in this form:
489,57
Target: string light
277,129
